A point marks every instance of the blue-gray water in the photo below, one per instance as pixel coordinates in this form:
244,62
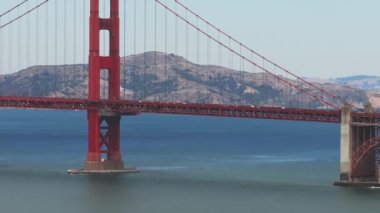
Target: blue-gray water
189,164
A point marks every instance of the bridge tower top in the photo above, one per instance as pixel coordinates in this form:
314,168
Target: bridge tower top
110,63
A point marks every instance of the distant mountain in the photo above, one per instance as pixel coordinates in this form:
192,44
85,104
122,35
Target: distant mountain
371,84
365,82
354,78
361,81
172,78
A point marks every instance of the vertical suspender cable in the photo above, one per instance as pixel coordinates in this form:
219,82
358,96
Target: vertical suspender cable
10,46
166,54
155,49
304,104
219,69
278,86
272,87
74,32
240,77
199,78
253,78
47,33
264,83
134,50
125,49
232,77
56,36
301,96
309,100
28,39
37,36
286,92
145,62
270,62
208,68
243,80
175,40
64,38
19,42
84,31
187,60
85,74
75,36
229,72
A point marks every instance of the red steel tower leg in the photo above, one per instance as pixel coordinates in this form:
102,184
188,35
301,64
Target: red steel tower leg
104,127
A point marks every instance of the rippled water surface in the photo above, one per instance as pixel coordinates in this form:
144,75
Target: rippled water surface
189,164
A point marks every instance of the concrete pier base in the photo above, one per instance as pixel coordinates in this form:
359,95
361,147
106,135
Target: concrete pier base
103,165
345,144
102,172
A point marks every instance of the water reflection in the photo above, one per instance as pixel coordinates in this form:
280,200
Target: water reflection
105,193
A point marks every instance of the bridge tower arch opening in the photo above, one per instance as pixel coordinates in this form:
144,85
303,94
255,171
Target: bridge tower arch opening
104,126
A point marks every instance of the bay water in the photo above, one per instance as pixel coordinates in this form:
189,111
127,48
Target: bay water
188,164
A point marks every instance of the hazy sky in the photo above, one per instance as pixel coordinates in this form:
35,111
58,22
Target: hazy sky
319,38
324,38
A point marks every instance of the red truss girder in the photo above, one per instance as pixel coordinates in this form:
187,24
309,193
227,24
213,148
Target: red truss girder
366,118
135,107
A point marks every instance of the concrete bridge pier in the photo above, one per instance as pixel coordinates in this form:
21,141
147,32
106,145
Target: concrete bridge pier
359,165
345,144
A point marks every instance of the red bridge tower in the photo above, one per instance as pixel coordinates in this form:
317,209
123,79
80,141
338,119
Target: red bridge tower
104,127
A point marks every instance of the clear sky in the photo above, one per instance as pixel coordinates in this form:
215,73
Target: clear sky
313,38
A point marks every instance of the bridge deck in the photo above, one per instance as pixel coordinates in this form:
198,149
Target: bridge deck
136,107
128,106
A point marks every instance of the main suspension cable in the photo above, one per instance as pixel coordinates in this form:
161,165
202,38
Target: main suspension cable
23,14
246,59
261,56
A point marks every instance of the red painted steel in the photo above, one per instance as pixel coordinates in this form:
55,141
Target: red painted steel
93,117
111,63
136,107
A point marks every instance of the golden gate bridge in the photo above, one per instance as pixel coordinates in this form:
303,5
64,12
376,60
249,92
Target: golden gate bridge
30,32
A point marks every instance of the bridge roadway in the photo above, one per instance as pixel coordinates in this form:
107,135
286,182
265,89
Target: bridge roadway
137,107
